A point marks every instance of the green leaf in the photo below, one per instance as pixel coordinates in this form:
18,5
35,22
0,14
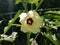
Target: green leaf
54,12
18,1
56,17
32,1
57,24
37,3
48,16
11,22
52,38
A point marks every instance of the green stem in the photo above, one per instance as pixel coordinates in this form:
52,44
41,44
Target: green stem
10,23
36,36
31,6
16,25
39,4
45,41
25,5
28,38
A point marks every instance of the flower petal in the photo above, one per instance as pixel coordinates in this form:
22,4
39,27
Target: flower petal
22,16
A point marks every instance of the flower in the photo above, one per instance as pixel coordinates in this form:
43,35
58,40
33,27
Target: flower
31,22
33,41
1,21
10,38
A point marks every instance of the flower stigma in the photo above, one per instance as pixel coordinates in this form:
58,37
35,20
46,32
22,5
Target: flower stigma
30,21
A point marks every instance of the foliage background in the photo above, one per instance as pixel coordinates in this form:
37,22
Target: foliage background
21,39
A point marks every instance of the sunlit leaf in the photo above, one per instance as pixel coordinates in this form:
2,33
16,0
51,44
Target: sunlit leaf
57,23
18,1
56,17
54,12
36,3
32,1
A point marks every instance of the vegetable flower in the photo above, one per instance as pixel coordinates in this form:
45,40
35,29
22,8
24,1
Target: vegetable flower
31,22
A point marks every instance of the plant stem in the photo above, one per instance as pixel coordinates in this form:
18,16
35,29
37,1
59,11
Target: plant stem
10,23
25,5
16,25
28,38
36,36
39,4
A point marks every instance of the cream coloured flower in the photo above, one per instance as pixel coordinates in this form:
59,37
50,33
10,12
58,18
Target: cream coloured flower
31,22
33,41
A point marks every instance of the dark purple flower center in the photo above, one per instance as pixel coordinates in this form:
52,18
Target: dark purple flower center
30,21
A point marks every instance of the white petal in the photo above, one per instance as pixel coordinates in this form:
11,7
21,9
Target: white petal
23,29
22,16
